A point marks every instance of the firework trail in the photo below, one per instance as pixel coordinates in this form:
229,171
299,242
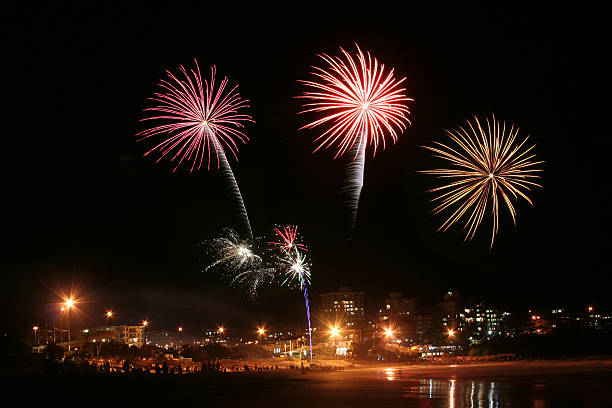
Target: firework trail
238,261
489,163
363,105
229,174
353,181
308,315
295,265
198,120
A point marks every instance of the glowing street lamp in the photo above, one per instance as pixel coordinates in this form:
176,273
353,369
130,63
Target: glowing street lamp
180,330
261,331
109,316
388,333
67,306
221,330
145,324
35,328
451,333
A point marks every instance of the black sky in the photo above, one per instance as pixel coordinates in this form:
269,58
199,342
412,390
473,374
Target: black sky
81,203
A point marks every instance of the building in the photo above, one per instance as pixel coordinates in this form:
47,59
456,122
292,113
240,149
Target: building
397,307
421,323
448,311
165,338
130,335
399,314
479,322
346,305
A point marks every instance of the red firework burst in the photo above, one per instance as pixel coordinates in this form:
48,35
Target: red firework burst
288,237
361,101
199,119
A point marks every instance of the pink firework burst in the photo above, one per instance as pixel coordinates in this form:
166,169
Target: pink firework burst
198,118
288,237
363,103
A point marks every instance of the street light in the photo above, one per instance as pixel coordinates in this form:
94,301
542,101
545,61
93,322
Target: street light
109,316
145,324
451,333
68,306
221,329
388,333
35,328
334,332
180,330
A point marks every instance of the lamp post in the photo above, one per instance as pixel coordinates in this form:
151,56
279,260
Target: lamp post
109,316
35,328
388,333
69,304
180,330
221,330
261,332
334,333
145,324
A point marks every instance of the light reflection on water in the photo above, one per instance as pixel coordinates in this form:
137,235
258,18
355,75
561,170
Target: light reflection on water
452,393
458,393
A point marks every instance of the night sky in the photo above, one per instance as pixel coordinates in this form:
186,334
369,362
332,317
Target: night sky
81,204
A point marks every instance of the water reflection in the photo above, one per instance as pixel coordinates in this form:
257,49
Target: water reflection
453,393
390,374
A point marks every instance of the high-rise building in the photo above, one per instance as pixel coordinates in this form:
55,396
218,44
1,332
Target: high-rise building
479,322
448,311
344,304
397,307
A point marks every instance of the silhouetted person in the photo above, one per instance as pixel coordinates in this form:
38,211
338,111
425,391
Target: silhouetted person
157,369
126,366
165,369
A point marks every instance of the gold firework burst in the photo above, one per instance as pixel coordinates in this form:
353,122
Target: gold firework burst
489,162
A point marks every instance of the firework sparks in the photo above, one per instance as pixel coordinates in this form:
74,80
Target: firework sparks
237,261
297,269
363,106
198,121
362,103
489,162
289,236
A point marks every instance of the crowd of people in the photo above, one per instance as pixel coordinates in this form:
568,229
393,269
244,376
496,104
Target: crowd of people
147,367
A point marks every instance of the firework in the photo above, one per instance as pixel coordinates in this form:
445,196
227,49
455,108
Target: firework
363,106
197,121
296,268
489,162
288,236
237,260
